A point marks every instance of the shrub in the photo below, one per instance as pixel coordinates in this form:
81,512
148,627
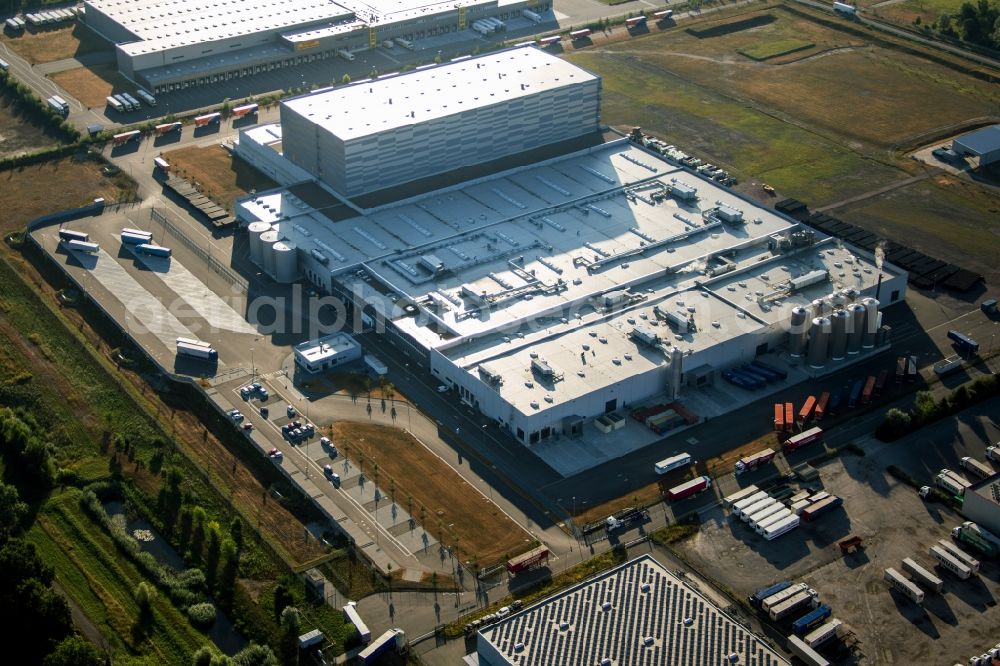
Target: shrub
202,615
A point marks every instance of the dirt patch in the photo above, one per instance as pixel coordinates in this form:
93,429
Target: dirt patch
449,508
57,44
91,85
640,497
215,172
726,463
18,136
28,192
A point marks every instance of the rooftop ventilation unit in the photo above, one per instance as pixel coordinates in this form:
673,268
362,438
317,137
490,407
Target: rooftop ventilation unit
644,336
803,281
489,375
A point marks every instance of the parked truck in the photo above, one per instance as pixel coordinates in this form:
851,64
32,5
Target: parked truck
816,509
802,439
82,246
904,585
196,351
811,619
624,518
689,488
792,604
923,576
781,596
70,234
980,469
755,460
822,405
948,483
809,656
972,535
823,633
993,453
963,343
948,561
757,597
153,250
58,105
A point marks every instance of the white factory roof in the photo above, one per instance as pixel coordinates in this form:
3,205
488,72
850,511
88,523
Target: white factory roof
525,237
317,351
368,107
162,25
390,11
638,614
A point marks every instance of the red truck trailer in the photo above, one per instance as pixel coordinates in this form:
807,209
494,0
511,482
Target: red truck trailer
754,461
535,557
868,390
779,417
807,409
824,400
167,128
802,439
689,488
789,416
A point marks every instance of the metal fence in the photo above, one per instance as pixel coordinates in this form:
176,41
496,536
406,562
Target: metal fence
214,264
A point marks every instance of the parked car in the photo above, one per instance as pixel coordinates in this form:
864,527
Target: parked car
248,426
442,389
274,453
289,411
264,412
263,394
235,415
245,392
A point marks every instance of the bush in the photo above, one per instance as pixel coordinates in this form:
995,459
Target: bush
202,615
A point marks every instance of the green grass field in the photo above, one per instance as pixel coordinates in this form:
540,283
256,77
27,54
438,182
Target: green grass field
775,49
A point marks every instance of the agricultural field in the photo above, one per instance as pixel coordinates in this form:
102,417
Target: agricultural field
775,49
91,85
56,44
945,216
19,136
440,496
907,11
218,174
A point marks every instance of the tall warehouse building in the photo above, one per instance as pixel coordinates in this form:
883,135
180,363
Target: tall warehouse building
375,135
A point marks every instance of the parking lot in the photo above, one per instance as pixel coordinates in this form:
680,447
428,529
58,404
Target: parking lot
894,523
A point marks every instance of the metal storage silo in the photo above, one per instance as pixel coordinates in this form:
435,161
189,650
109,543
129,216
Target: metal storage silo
851,294
798,332
818,307
838,334
286,262
837,300
255,229
676,372
267,241
819,341
882,337
855,328
873,318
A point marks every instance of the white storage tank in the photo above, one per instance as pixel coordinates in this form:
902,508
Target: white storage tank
819,341
798,332
254,230
267,241
873,319
286,262
838,335
855,328
818,307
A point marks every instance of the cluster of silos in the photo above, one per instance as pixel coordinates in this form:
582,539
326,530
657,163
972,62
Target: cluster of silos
835,328
254,230
286,269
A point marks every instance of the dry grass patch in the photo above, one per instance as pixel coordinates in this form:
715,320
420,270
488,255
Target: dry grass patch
90,85
644,496
217,173
726,463
30,192
51,45
18,136
448,507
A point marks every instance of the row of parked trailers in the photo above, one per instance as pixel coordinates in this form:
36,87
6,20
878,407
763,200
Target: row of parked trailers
754,375
51,17
924,272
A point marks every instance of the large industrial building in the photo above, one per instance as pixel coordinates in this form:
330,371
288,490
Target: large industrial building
553,293
379,134
166,46
637,614
981,146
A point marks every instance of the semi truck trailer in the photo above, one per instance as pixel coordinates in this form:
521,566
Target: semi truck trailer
904,586
197,351
689,488
923,576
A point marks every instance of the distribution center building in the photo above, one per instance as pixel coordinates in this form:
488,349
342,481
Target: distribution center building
378,134
167,46
552,293
637,613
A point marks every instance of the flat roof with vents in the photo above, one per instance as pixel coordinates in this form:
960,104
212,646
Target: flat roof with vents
637,614
370,107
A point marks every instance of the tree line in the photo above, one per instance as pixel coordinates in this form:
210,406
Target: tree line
977,24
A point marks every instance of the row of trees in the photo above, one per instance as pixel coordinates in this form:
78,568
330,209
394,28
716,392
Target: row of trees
926,409
977,24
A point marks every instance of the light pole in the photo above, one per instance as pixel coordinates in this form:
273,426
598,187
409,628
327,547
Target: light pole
253,368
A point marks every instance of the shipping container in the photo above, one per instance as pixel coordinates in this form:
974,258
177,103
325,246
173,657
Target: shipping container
816,509
70,234
774,531
153,250
868,390
747,501
950,563
757,597
811,619
923,576
805,413
963,343
534,558
672,463
730,500
787,607
689,488
802,439
821,405
809,656
82,246
903,585
822,634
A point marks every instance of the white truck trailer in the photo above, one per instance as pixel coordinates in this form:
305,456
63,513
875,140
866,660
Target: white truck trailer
923,576
904,586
